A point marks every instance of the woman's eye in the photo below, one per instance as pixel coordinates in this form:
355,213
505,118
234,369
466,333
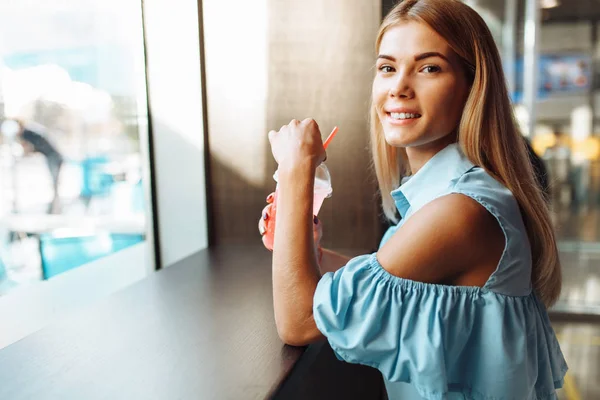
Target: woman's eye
386,69
431,69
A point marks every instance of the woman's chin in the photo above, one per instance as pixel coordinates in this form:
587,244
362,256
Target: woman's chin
398,139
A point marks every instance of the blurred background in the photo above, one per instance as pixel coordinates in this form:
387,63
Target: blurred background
70,166
77,165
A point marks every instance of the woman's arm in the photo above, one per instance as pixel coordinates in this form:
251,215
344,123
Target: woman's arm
298,150
295,268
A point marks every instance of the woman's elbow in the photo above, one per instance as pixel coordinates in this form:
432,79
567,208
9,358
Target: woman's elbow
295,336
291,339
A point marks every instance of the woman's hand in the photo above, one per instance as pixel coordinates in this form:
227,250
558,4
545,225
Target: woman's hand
266,217
297,143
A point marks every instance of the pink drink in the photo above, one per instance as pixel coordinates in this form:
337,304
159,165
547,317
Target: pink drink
270,234
322,190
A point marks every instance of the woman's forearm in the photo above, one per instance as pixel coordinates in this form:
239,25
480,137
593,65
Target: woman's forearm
295,268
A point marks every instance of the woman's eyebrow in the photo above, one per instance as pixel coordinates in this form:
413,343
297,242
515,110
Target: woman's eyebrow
418,57
429,54
385,56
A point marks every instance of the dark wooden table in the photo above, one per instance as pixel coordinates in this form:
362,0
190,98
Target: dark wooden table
201,329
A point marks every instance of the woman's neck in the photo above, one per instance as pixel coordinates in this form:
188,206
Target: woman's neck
419,155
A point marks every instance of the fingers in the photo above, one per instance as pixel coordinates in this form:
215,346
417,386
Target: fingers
262,222
272,133
266,212
310,122
271,198
294,123
297,140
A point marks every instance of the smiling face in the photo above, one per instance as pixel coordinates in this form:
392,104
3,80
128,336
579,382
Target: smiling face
420,88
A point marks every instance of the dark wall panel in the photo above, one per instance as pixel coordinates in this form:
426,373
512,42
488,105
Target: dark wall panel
318,60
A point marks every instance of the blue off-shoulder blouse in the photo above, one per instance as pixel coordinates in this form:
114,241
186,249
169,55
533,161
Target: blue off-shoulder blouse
433,341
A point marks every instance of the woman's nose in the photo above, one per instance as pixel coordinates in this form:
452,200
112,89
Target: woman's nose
402,88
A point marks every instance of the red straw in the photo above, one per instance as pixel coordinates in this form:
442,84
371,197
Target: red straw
330,137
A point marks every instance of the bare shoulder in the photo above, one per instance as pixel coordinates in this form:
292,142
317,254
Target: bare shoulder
462,211
449,237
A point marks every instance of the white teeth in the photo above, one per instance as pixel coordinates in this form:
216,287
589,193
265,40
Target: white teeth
404,115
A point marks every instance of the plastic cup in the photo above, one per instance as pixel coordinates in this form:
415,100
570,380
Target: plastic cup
269,237
322,191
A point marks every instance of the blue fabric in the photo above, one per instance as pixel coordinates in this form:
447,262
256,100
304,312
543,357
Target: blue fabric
446,342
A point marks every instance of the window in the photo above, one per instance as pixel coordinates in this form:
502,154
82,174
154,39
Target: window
73,147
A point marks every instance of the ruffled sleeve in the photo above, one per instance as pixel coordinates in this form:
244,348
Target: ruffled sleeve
439,338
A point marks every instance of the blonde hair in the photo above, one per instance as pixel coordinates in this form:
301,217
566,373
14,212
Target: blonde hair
487,133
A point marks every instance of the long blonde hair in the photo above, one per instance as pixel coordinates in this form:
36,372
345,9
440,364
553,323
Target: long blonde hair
487,132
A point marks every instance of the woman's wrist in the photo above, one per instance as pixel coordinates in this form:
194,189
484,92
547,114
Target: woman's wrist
297,181
304,169
295,188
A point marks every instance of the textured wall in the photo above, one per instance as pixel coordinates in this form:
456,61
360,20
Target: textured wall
311,59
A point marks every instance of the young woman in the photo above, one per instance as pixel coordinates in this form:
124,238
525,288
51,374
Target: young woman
453,305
